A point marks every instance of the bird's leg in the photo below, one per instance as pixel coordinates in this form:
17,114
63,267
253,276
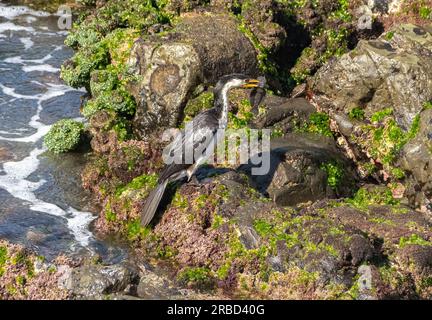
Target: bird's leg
191,177
192,169
194,181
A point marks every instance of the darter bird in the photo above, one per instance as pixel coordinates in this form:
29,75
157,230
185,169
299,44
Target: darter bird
205,127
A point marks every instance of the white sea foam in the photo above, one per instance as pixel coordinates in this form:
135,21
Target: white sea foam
11,133
11,92
14,177
9,26
19,60
30,19
41,68
12,12
27,42
54,90
79,223
14,180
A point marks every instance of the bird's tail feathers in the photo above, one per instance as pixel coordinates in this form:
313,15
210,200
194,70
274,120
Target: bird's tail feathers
152,203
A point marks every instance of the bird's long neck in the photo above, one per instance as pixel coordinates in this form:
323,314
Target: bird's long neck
221,104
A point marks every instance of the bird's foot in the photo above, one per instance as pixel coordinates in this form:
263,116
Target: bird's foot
193,181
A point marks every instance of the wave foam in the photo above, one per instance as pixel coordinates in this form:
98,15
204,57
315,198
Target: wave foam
14,177
14,180
41,68
12,12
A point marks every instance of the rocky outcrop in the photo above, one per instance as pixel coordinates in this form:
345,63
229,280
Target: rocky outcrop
95,281
225,233
299,172
377,95
416,158
261,18
200,49
393,71
286,115
232,237
394,235
23,275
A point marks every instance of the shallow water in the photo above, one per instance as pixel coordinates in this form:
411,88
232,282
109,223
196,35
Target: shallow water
42,204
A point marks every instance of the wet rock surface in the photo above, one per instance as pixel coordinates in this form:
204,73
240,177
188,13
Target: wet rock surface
95,280
296,170
392,71
5,154
416,158
377,95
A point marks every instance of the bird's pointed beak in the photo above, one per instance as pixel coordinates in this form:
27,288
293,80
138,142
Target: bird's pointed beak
251,83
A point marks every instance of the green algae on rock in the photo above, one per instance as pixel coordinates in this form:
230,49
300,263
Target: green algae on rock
64,136
23,275
258,243
384,117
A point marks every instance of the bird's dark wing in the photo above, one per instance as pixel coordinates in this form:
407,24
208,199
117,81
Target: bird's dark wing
170,170
205,126
208,118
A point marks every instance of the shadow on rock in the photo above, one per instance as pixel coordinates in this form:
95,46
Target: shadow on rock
303,168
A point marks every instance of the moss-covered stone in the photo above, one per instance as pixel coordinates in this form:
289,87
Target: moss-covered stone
223,232
242,117
103,41
196,277
64,136
413,239
357,113
19,279
375,196
335,173
194,106
383,140
319,123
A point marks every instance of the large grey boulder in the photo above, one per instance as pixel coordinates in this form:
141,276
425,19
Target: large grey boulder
94,281
154,286
392,74
416,158
384,6
297,170
200,49
393,71
284,114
